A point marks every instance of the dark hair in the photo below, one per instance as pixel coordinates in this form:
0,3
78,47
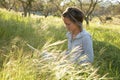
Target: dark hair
75,15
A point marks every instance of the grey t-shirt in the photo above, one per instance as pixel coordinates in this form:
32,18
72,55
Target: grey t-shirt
81,47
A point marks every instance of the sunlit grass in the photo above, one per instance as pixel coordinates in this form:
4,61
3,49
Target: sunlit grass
24,40
35,66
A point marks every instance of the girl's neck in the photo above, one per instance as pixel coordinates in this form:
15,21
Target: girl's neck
75,33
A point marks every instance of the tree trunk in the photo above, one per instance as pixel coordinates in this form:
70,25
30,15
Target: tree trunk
87,20
29,5
25,12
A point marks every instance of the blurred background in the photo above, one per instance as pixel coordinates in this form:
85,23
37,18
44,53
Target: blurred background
103,9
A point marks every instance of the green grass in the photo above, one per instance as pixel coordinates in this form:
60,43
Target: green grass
19,62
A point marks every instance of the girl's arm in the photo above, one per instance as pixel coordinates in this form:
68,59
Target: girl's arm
88,48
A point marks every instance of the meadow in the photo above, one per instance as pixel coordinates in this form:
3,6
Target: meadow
23,40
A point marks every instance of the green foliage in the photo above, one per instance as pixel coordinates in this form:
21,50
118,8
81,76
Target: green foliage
107,48
19,62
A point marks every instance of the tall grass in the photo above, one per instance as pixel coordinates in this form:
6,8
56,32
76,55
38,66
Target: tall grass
33,66
20,61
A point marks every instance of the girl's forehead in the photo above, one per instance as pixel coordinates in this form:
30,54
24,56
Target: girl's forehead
66,19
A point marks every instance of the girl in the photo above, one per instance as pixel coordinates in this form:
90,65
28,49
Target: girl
78,38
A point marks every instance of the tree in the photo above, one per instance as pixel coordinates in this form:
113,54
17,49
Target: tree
27,5
119,2
55,4
87,6
49,7
7,4
3,4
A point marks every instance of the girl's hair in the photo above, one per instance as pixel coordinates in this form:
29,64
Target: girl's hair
75,15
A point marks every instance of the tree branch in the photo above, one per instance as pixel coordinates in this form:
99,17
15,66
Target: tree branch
93,7
119,2
88,11
81,6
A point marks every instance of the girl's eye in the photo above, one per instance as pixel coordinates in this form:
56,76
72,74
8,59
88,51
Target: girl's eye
68,24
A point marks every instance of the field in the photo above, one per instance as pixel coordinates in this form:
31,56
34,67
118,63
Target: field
23,40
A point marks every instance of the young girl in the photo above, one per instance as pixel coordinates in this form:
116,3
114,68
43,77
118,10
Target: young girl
78,38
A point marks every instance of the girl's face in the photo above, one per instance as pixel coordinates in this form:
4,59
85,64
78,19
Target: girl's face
71,26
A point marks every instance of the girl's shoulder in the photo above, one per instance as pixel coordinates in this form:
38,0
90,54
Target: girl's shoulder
86,33
83,34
